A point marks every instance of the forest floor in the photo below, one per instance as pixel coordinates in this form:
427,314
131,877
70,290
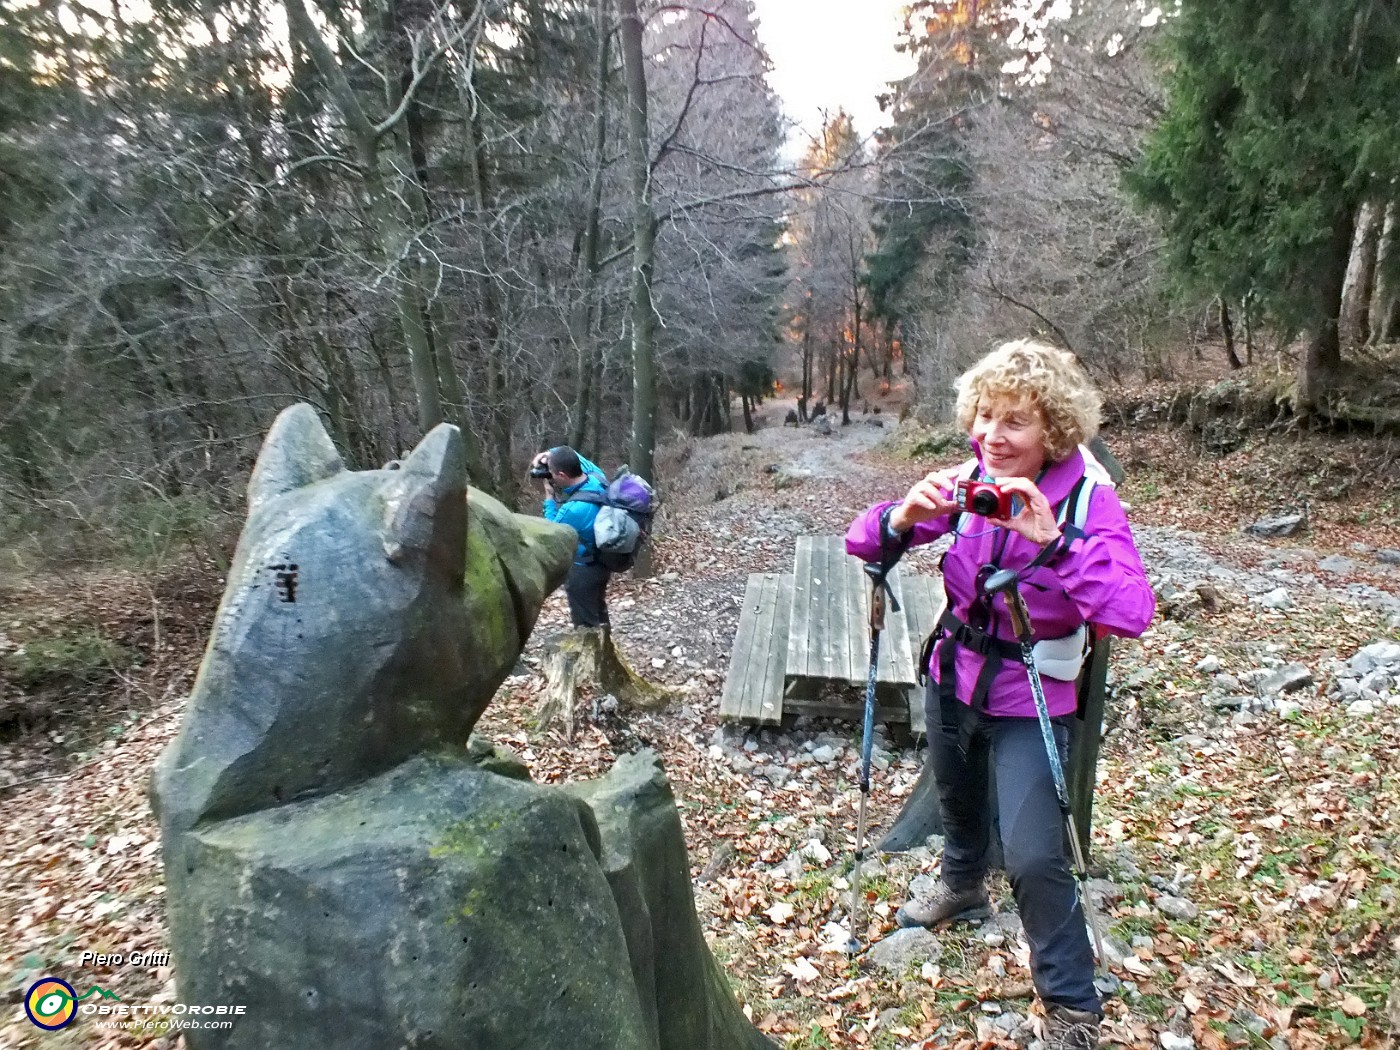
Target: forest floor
1251,852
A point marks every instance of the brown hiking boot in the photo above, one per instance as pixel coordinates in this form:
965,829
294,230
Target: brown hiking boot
1068,1029
945,903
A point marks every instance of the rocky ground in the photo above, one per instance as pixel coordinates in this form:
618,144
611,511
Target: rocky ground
1246,826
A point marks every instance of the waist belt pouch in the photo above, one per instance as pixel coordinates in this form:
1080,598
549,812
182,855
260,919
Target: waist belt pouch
1061,658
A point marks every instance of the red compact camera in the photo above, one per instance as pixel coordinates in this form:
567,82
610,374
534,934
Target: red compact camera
984,498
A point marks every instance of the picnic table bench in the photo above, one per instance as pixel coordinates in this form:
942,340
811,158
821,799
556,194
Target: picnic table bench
802,633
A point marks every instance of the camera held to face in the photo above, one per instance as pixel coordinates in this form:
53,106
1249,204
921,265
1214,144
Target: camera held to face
539,470
984,498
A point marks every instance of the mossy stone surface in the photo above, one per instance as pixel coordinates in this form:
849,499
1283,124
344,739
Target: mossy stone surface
438,905
684,994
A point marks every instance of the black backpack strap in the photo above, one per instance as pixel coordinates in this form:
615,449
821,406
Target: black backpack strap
954,632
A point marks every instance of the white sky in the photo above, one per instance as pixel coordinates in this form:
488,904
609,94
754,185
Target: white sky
830,53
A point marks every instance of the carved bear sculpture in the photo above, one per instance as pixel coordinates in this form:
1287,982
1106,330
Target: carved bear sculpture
340,863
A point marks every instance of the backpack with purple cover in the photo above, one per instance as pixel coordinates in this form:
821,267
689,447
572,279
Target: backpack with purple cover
624,518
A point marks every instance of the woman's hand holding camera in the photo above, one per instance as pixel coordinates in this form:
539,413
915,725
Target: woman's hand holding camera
1036,518
930,498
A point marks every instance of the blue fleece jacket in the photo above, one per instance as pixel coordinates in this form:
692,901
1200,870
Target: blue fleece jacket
577,514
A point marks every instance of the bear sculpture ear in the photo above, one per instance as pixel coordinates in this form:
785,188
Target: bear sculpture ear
425,503
297,452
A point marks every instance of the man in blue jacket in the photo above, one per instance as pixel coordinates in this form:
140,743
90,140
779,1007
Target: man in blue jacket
569,474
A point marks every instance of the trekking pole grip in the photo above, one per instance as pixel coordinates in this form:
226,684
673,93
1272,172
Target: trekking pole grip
877,597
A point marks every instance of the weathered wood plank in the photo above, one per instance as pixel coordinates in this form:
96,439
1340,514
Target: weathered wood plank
821,662
736,681
800,633
856,611
844,612
769,710
923,598
753,688
760,641
896,666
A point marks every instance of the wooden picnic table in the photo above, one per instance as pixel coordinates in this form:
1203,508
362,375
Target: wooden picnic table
802,633
803,640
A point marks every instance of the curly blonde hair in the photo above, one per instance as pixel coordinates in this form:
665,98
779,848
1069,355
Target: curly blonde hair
1050,379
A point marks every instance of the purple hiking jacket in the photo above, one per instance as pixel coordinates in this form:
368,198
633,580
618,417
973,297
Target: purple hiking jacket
1099,579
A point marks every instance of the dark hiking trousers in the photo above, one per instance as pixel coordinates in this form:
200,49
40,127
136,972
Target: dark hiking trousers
585,589
1032,835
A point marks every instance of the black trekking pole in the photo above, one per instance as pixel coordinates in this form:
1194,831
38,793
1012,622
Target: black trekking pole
1006,582
879,587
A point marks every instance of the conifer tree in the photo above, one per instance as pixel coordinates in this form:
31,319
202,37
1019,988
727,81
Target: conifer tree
1280,124
959,47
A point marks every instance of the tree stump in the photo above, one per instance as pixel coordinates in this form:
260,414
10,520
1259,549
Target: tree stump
586,656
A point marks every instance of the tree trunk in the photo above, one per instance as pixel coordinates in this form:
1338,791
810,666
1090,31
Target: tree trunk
1247,308
833,366
392,227
584,312
806,398
1322,360
643,244
1385,302
1354,324
498,414
1227,332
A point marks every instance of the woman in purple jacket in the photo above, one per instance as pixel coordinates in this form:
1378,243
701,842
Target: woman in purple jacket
1027,408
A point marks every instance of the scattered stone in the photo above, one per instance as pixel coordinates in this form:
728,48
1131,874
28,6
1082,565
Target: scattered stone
1008,1021
1336,563
1177,907
1249,1020
1108,985
1227,682
904,948
1006,922
1284,525
824,754
1209,665
1287,679
1378,681
1172,1041
1114,950
1348,687
1277,598
1235,702
1377,654
775,775
1103,893
1361,708
815,852
1387,556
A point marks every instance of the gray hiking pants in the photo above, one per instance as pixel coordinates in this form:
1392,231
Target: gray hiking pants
1032,835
